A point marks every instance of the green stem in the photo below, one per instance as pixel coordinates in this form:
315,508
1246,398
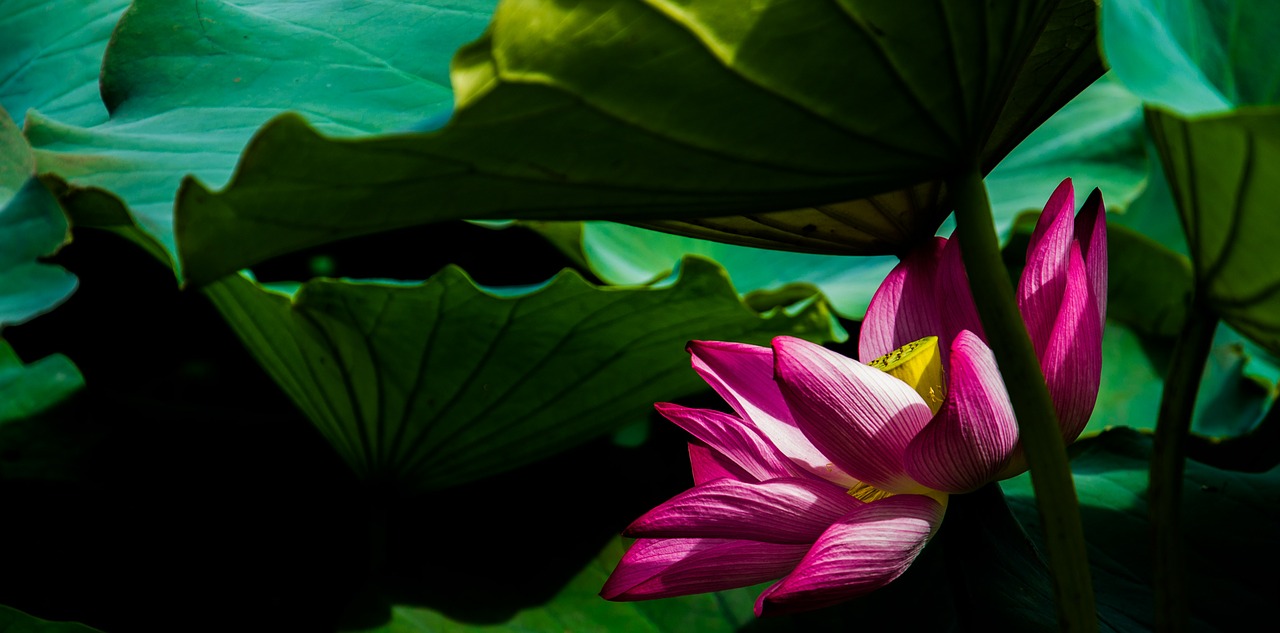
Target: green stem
1037,423
1177,402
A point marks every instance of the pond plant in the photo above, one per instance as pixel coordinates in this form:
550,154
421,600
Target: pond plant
352,316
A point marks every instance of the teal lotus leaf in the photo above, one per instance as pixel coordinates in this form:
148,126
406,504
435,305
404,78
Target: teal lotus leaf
187,84
1194,56
51,55
32,226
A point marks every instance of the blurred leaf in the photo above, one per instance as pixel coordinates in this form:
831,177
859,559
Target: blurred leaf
15,621
1230,520
1153,212
187,84
622,254
1097,140
1232,397
566,112
1194,56
26,390
1149,286
51,55
31,226
438,383
1225,172
1132,381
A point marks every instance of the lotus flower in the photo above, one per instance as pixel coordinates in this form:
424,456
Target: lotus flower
832,474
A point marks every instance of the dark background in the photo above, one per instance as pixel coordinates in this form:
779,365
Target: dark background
182,491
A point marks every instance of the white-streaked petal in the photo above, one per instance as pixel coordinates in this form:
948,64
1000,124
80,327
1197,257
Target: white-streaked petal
1041,285
958,312
859,417
708,464
664,568
1072,362
743,375
777,511
863,551
733,438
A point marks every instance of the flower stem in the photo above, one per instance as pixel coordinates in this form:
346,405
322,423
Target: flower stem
1037,423
1177,402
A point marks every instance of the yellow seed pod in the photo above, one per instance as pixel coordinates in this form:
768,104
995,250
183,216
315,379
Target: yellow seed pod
919,364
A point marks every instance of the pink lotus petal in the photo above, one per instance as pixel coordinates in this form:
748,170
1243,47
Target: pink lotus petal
952,286
743,375
972,437
727,434
1091,232
1073,360
859,417
664,568
863,551
1042,282
902,309
709,464
777,511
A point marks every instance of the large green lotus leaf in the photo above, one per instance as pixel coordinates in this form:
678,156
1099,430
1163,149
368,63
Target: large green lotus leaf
1230,520
829,125
51,54
186,85
1194,56
28,389
438,383
15,621
1097,139
1225,173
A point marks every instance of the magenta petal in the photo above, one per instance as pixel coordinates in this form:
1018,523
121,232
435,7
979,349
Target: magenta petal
864,551
972,437
1073,361
730,436
778,511
859,417
1040,288
1091,233
743,375
902,309
709,464
663,568
952,288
